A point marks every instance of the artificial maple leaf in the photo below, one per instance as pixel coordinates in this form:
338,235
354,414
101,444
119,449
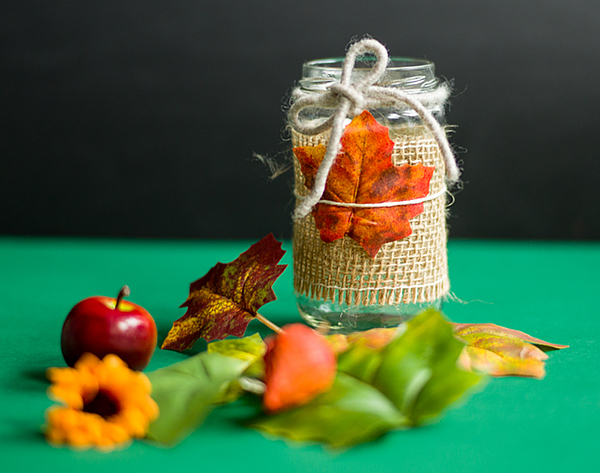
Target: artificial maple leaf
227,298
363,173
500,351
471,330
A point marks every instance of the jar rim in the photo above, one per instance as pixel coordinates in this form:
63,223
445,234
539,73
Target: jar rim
394,63
411,74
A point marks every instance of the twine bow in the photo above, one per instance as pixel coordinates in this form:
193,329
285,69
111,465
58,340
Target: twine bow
351,98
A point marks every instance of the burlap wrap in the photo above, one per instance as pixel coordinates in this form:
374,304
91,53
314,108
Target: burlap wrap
412,270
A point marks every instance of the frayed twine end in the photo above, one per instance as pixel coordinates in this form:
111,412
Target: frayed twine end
275,167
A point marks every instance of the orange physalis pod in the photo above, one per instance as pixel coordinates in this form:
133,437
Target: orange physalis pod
299,365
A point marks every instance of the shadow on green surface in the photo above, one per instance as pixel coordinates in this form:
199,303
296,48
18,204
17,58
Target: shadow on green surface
21,431
30,379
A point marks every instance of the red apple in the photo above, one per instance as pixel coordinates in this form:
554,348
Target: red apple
103,325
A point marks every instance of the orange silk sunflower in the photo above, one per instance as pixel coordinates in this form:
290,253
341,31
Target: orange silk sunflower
105,404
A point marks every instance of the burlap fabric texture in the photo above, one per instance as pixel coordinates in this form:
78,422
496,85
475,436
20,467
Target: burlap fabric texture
412,270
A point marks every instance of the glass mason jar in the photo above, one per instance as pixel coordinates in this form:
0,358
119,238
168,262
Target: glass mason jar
338,284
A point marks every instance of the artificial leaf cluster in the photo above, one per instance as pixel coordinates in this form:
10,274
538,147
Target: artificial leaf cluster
406,383
338,390
309,395
488,348
363,173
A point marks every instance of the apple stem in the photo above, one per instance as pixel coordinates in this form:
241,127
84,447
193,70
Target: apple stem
268,323
124,292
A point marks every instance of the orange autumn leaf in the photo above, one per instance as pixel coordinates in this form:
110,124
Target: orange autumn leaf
227,298
374,338
363,173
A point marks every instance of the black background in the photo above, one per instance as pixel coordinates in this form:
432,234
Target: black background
140,118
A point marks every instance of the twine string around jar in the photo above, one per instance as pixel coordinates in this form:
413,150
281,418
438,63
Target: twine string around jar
351,98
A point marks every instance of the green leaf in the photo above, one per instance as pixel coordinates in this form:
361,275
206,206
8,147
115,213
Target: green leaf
419,371
187,391
360,361
349,413
250,349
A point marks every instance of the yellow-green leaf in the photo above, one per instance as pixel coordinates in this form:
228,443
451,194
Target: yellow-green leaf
500,351
250,349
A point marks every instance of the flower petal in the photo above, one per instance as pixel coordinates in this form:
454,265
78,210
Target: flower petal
78,388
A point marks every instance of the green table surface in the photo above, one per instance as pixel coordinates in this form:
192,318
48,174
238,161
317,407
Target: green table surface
549,290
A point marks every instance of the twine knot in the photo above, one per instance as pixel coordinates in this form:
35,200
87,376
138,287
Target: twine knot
352,94
351,98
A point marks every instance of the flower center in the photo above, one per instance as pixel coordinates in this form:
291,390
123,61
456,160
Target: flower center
104,404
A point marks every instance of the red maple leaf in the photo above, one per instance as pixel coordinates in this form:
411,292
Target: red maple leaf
363,173
227,298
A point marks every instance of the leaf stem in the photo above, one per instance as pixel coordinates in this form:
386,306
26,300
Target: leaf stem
268,323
